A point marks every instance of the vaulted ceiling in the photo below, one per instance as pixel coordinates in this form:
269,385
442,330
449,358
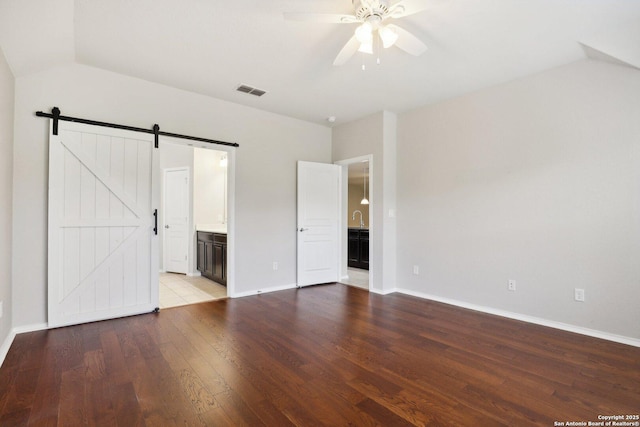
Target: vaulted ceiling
212,46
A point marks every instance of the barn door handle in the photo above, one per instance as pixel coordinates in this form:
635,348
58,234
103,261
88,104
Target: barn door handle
155,221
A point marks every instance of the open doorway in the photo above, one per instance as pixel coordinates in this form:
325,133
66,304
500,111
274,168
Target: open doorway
195,197
357,222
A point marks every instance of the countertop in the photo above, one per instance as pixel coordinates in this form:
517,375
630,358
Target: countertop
212,228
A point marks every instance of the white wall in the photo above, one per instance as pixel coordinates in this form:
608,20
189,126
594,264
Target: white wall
209,182
375,135
6,183
356,191
537,180
265,177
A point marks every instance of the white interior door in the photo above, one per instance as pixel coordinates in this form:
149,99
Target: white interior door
176,219
318,223
103,252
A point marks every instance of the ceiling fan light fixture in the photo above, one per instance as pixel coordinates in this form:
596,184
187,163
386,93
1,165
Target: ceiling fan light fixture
364,33
388,36
372,16
366,48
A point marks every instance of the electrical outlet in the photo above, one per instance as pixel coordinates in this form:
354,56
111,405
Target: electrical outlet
512,285
416,270
275,265
579,294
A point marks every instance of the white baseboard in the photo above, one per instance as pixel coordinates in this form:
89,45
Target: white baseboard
31,328
529,319
4,349
190,274
6,345
383,292
262,291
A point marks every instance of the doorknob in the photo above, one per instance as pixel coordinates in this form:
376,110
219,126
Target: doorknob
166,226
303,229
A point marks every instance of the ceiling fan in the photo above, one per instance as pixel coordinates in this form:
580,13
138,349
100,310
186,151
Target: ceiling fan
372,16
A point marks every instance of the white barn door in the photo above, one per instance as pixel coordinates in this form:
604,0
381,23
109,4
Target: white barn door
103,252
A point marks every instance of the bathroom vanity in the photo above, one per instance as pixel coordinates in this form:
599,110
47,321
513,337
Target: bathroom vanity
358,248
212,255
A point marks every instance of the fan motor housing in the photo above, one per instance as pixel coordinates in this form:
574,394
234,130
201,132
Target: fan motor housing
365,9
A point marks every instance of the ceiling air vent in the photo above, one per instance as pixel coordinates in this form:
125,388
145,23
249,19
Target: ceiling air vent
250,90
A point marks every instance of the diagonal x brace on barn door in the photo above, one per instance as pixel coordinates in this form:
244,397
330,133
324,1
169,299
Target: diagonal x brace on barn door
105,264
72,146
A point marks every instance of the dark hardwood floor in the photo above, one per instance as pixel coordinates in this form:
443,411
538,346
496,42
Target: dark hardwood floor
325,355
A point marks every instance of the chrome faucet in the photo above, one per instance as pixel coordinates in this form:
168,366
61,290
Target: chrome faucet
353,217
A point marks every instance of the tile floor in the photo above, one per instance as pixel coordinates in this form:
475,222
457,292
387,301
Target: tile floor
180,289
357,277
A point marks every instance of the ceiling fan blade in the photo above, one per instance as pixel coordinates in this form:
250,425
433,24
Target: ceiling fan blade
347,51
327,18
408,42
409,7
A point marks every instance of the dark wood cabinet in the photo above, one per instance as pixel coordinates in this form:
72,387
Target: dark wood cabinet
358,248
201,254
212,256
208,261
219,265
